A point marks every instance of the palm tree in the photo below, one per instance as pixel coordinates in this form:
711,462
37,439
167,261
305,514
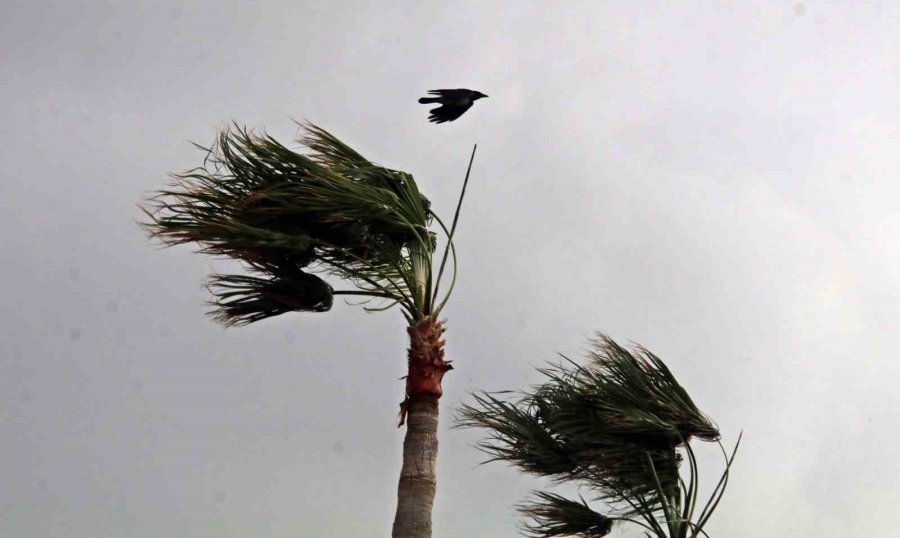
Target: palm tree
293,219
621,426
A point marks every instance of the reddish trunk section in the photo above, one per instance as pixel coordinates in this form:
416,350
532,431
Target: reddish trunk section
426,363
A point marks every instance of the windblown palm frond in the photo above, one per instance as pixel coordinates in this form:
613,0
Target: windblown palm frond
619,424
518,434
291,217
553,515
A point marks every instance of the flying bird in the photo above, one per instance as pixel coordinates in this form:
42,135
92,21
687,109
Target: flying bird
454,103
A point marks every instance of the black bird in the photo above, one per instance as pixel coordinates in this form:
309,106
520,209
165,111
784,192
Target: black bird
454,103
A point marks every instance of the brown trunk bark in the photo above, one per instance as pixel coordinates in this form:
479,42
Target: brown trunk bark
418,483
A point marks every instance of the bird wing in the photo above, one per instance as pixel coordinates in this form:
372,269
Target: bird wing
447,113
458,93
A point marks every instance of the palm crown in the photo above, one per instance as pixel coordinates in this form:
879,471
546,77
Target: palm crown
617,425
293,218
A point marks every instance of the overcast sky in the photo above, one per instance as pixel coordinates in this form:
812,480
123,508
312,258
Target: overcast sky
717,181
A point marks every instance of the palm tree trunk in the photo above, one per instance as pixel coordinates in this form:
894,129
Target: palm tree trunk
418,482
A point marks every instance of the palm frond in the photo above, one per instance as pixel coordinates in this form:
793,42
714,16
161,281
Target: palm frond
518,434
553,515
243,299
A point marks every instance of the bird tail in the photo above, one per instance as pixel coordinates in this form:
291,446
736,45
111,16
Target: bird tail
425,100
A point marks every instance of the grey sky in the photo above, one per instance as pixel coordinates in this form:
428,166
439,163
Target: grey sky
717,181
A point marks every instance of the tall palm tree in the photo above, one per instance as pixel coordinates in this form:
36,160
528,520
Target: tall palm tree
620,426
294,218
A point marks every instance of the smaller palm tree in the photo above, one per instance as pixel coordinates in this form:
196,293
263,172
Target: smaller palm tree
621,426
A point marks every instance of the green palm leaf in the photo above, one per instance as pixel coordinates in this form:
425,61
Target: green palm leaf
553,515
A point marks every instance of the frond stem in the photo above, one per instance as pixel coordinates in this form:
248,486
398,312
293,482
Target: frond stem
462,195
